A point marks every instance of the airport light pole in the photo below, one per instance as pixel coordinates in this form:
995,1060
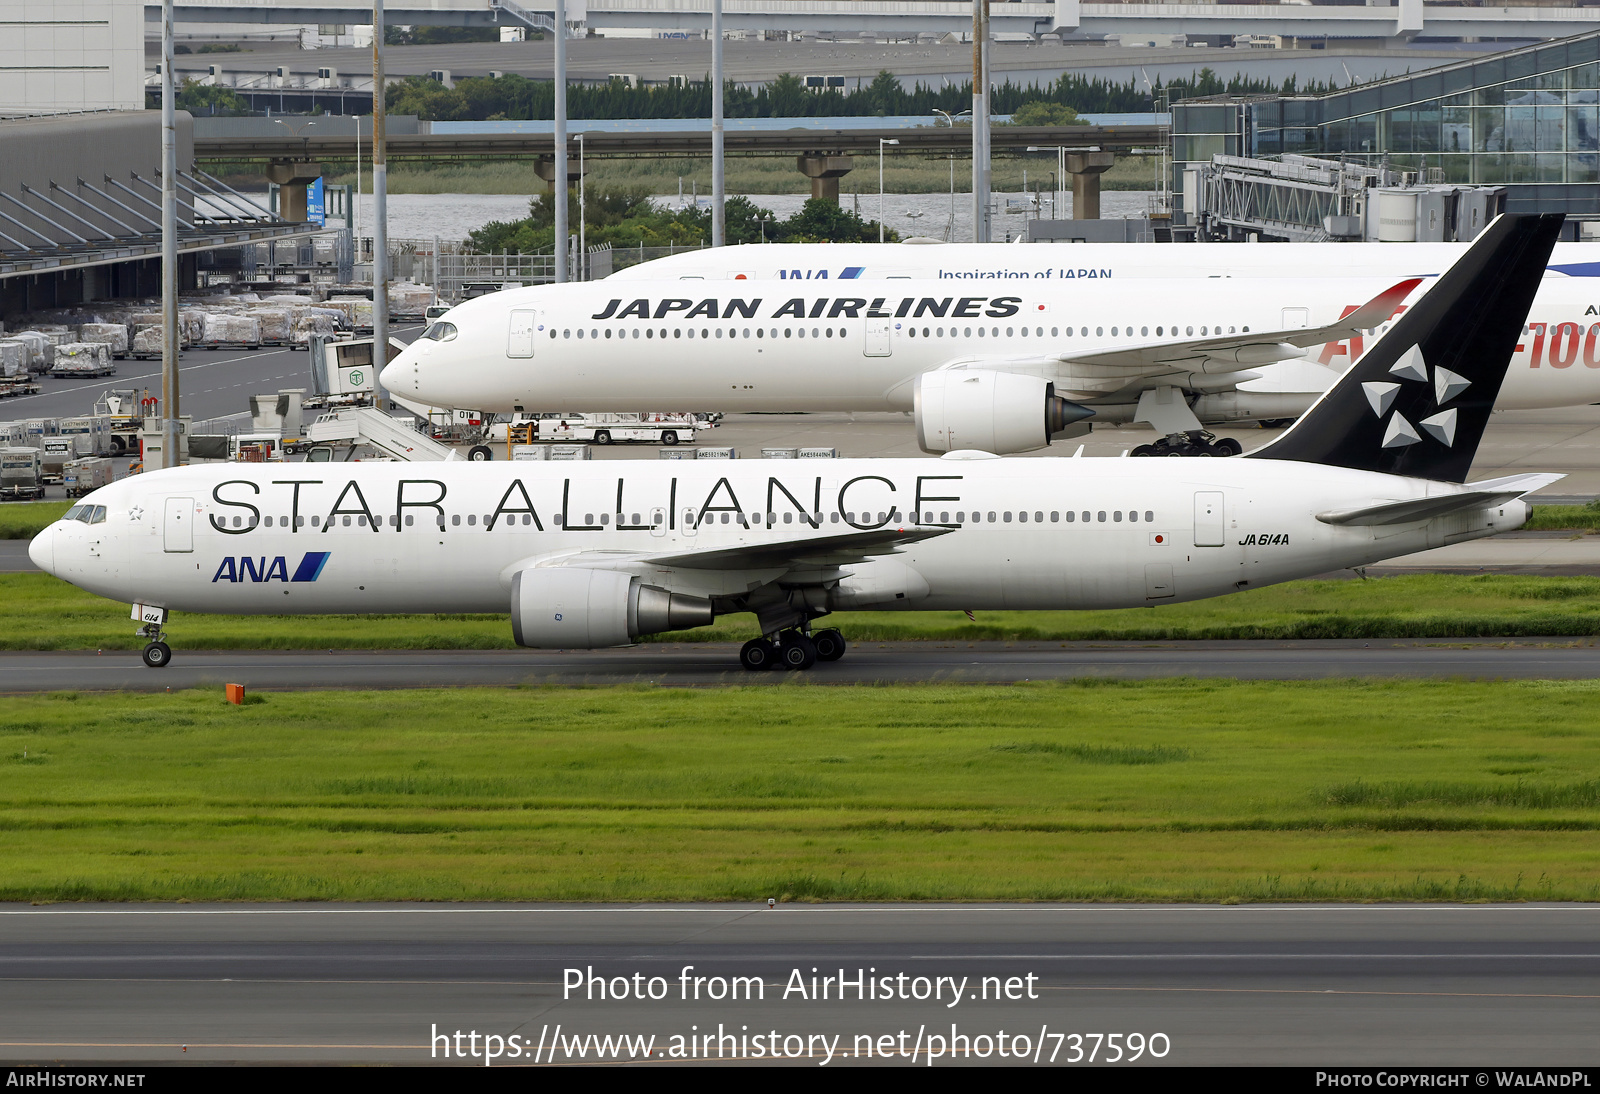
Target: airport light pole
719,223
1061,173
380,211
980,121
169,245
881,142
298,132
558,178
583,220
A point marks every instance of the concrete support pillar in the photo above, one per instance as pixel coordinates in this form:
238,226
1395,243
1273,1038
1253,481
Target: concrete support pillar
1086,169
824,169
545,168
292,177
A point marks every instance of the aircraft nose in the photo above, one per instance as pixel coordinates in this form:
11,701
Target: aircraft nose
403,374
42,550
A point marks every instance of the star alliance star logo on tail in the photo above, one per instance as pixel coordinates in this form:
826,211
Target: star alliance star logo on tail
1446,386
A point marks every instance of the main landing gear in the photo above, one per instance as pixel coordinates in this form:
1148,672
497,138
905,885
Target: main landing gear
157,654
792,649
1196,442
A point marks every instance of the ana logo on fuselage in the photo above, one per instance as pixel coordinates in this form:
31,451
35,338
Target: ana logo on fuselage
245,568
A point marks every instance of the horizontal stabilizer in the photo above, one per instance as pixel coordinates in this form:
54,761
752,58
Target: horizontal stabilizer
1481,495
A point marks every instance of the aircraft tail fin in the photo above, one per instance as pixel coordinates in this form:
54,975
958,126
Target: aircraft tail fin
1417,402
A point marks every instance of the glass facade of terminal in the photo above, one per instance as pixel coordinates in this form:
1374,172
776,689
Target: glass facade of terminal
1527,119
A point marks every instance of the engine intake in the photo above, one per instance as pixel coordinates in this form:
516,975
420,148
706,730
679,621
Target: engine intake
560,608
992,411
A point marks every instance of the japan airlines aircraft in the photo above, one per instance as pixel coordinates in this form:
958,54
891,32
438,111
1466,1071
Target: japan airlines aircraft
1002,367
1075,262
600,554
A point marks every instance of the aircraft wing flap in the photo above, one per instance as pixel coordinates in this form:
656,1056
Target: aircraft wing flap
796,552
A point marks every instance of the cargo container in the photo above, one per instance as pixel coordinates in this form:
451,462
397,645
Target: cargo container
85,475
20,474
95,427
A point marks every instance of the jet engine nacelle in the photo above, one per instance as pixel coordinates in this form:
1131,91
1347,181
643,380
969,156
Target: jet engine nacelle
561,608
992,411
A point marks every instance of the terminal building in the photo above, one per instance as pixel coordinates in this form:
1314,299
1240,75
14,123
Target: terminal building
1525,122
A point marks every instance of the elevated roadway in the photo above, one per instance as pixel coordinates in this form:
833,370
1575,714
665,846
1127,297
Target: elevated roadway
456,146
1311,985
1407,19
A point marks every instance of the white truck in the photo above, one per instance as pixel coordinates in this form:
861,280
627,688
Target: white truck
21,477
608,428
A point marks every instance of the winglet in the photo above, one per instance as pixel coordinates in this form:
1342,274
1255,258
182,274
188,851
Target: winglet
1381,307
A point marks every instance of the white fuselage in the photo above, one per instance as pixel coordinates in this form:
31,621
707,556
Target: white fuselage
1022,534
1076,262
858,345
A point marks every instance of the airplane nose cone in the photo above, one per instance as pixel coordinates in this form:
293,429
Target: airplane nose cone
43,550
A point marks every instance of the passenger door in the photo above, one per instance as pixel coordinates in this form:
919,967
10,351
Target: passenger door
1209,530
524,323
179,525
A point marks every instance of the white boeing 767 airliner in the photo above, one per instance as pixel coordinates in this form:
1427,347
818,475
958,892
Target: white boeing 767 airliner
599,554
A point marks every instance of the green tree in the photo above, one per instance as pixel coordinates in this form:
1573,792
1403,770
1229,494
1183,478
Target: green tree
822,221
198,98
1039,112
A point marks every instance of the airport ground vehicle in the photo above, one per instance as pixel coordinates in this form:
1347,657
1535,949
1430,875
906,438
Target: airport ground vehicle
125,410
85,476
603,428
21,476
599,554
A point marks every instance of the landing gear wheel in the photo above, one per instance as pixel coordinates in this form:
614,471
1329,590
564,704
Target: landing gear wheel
1144,450
758,654
830,644
796,651
670,437
157,655
1227,446
602,436
480,453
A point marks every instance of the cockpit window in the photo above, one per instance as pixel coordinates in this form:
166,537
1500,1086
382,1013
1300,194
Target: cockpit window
72,514
99,516
440,332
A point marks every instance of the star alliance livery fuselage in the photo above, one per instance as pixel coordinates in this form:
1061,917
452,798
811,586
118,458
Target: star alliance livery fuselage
600,554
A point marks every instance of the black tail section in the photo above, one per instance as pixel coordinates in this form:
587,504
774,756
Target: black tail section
1416,404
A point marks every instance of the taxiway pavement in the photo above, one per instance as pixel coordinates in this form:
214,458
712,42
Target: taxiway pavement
1250,984
716,664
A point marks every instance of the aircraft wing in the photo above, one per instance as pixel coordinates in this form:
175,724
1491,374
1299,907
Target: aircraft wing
799,552
1106,370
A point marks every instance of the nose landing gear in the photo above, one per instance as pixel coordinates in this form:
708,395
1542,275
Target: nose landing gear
157,654
793,650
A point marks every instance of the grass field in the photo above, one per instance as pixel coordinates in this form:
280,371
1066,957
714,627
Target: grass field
50,614
1174,790
26,519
